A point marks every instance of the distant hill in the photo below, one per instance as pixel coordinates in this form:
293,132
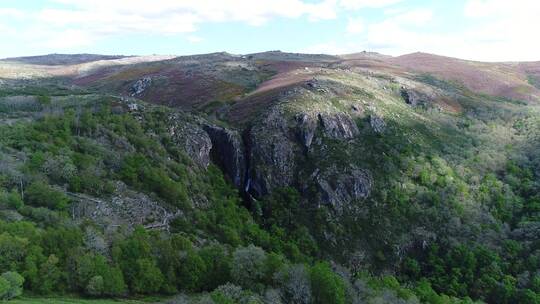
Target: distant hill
62,59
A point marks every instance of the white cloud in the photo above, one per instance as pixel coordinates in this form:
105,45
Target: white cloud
355,26
195,39
332,48
197,11
67,39
78,23
401,33
504,30
11,13
417,17
496,8
358,4
496,31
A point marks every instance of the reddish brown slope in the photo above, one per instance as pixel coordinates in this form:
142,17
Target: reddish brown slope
499,79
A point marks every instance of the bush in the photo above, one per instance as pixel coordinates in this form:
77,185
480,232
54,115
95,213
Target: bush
40,194
295,284
192,269
248,266
11,285
11,199
148,278
95,286
89,268
4,288
327,287
218,266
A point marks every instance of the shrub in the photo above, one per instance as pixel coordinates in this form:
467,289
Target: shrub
4,288
192,269
327,287
95,286
148,278
11,199
14,285
295,284
248,266
40,194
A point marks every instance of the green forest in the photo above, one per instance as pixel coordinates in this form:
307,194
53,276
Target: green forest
228,252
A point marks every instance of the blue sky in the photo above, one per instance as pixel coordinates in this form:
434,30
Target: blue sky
489,30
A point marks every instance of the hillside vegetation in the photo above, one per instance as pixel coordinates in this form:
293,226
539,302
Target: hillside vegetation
269,178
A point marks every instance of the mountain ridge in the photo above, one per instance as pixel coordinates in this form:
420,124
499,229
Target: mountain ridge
378,179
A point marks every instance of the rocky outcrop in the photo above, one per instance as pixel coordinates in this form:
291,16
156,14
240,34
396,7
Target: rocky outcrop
413,97
338,125
267,155
228,153
340,187
306,126
377,123
125,208
190,137
140,86
271,154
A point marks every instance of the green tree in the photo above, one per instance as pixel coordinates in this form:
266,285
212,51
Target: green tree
282,208
114,284
95,286
11,199
327,287
15,281
50,275
40,194
218,266
148,278
4,288
248,266
191,272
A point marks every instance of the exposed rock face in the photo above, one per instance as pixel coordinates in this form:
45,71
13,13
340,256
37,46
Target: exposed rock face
306,127
377,123
192,138
140,86
339,187
228,152
338,126
271,155
267,156
126,207
413,97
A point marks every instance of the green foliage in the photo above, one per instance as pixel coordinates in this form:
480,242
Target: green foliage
44,100
11,199
148,278
454,204
94,276
248,267
138,172
327,287
191,272
4,288
11,285
217,262
40,194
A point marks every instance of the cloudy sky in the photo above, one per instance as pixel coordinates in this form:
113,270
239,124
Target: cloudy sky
489,30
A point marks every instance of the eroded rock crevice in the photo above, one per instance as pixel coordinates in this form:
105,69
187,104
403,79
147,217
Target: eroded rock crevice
228,153
265,156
